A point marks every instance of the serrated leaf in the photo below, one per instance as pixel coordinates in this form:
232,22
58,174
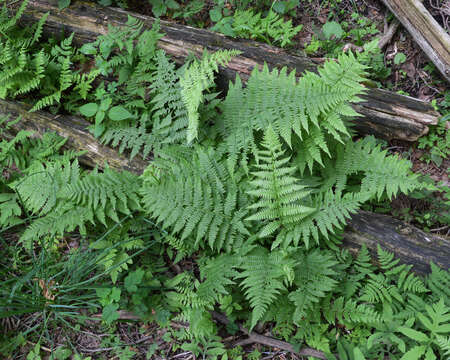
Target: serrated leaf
119,113
110,313
332,28
89,109
415,353
413,334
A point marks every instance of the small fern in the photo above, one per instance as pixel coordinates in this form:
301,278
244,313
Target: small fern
264,275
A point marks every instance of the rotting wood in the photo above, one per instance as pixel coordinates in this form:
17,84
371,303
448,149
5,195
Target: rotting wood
75,130
408,243
433,39
385,114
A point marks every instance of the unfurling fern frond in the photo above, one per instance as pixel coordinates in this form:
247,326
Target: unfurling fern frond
194,196
280,194
198,77
311,109
264,275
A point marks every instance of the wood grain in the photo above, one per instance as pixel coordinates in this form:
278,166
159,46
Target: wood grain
428,34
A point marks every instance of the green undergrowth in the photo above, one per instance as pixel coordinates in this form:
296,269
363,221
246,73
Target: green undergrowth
240,210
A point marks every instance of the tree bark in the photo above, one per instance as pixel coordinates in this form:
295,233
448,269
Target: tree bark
408,243
425,30
385,114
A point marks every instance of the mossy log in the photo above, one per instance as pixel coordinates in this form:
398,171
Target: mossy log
434,40
410,244
385,114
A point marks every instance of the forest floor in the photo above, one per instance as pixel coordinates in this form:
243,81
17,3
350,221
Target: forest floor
411,73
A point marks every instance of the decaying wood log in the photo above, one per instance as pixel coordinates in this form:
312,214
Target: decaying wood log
434,40
75,130
385,114
411,245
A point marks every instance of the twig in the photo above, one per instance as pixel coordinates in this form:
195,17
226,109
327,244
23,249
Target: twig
440,228
268,341
388,33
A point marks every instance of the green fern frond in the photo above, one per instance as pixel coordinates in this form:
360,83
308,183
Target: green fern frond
217,274
49,180
38,27
46,101
383,173
62,219
379,290
292,108
198,77
313,280
105,194
264,274
10,209
330,215
406,281
349,313
444,343
195,196
280,194
439,283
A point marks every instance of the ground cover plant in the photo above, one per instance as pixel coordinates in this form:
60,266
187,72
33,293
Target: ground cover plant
239,211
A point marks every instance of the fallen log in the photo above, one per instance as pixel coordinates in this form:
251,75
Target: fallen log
75,130
433,39
385,114
408,243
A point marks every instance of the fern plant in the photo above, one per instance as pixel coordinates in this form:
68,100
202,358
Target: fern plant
310,110
281,195
69,199
28,67
198,77
191,194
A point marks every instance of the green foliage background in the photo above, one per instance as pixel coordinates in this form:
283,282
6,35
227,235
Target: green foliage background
252,188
